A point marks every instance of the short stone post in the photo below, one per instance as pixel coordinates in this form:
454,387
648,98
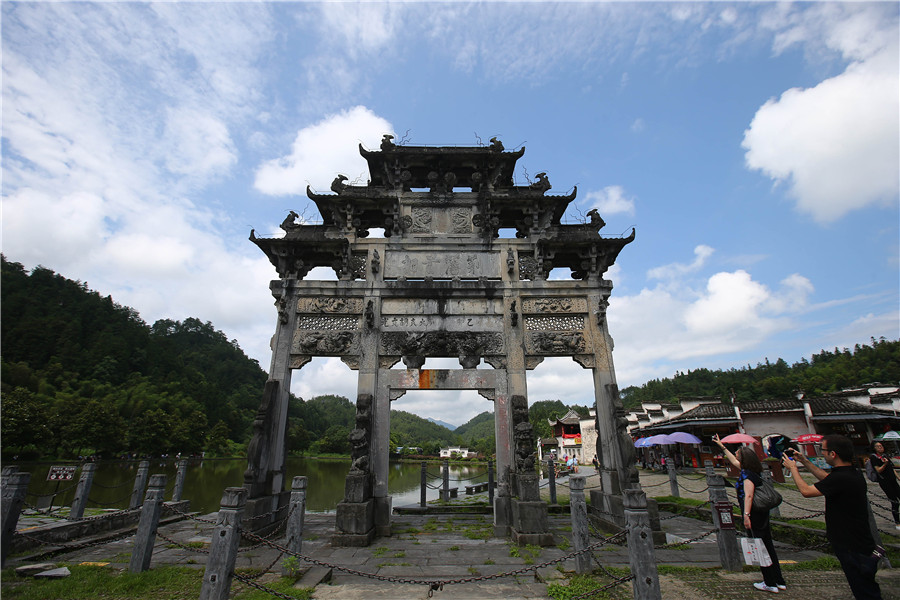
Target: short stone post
294,532
82,491
730,553
641,555
224,547
551,476
139,483
767,476
149,521
491,482
708,467
179,480
423,493
12,497
673,478
580,534
445,490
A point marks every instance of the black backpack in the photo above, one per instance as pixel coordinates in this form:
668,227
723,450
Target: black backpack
871,473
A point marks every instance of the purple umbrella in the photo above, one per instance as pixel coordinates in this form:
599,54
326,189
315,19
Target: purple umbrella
684,437
660,439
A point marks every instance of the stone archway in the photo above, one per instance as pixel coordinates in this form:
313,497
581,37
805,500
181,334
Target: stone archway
440,284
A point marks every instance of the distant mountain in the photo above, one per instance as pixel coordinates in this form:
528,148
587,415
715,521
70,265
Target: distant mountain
442,423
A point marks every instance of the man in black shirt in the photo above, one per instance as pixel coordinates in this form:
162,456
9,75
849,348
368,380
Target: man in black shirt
846,513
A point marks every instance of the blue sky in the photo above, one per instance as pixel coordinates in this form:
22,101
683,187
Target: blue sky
753,146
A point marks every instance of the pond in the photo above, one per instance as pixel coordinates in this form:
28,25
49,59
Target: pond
207,479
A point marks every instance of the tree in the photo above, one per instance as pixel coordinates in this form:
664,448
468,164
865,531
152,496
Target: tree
24,422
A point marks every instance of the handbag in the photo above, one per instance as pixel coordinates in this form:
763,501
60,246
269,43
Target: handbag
766,497
755,552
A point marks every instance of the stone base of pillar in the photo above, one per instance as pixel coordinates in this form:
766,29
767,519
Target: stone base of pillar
530,524
262,515
354,524
607,513
502,516
383,509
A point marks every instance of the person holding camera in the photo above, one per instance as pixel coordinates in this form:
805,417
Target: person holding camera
756,521
846,511
887,478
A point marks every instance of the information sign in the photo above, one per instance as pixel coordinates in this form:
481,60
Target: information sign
63,473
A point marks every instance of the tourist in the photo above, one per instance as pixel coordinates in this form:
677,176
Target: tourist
887,479
846,511
756,521
596,463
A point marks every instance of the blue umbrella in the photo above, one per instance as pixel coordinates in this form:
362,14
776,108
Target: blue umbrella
684,437
640,443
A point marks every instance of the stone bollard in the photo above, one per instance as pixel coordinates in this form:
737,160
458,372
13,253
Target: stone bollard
580,534
730,554
767,476
294,532
551,476
224,547
423,493
641,555
12,497
139,483
708,466
445,490
673,478
149,521
82,491
179,480
491,482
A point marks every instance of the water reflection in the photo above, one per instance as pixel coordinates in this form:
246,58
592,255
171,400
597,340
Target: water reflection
206,480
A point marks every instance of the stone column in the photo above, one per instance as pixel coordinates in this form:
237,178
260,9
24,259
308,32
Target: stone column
12,498
224,547
285,292
145,537
83,490
140,481
179,480
370,384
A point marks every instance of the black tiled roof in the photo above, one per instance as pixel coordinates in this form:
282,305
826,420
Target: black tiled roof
833,405
776,405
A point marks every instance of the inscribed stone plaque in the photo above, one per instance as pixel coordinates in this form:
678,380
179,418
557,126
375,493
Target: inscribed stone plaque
442,265
554,305
437,322
422,306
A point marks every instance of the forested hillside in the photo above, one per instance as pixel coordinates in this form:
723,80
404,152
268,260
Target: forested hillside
827,371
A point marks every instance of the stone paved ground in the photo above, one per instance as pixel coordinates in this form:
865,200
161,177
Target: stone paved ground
453,548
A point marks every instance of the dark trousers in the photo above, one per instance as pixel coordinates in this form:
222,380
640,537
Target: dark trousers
759,527
860,570
891,489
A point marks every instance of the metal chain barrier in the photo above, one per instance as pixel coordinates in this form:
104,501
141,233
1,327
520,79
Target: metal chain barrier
439,584
111,487
180,545
687,489
250,582
56,493
608,586
690,541
171,508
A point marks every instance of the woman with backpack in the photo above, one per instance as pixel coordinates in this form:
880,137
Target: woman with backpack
756,521
882,468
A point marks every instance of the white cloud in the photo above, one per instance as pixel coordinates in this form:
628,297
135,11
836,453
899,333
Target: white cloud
673,270
835,144
323,150
611,200
200,144
664,327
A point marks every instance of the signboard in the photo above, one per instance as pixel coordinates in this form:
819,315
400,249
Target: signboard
723,510
64,473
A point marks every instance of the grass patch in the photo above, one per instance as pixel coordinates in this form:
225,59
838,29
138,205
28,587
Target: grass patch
680,500
564,544
490,561
453,548
380,551
580,585
823,563
90,582
807,523
400,554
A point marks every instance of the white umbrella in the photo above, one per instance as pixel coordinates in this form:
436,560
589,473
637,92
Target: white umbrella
888,435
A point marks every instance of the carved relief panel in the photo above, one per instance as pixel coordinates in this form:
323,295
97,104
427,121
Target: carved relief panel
327,326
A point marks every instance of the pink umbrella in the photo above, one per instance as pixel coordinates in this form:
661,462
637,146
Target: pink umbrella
739,438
